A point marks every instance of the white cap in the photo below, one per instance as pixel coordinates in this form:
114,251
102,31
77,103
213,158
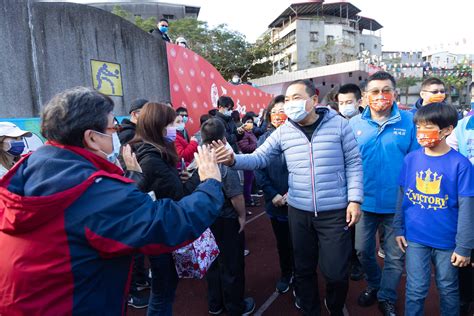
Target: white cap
181,40
11,130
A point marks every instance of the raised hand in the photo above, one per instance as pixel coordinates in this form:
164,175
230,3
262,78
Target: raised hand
207,164
130,159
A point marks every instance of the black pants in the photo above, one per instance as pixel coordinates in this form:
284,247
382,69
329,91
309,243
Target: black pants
281,229
354,258
326,239
466,282
226,276
139,273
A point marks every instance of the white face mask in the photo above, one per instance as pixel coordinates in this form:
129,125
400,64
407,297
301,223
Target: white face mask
228,113
112,157
296,110
348,110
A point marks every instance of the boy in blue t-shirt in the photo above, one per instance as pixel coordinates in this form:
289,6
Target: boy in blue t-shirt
435,216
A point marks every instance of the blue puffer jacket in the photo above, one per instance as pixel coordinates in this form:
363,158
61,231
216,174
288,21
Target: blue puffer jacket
324,174
383,148
273,180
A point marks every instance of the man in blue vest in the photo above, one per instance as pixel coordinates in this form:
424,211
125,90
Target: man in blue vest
385,135
462,139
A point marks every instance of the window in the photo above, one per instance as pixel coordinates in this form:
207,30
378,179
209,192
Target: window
329,38
287,40
314,36
168,16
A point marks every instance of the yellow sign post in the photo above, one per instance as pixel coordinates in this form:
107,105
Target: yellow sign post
107,77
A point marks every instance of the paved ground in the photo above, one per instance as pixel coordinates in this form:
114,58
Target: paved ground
262,273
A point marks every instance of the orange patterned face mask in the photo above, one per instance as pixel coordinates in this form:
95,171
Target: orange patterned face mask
381,102
428,138
278,119
437,98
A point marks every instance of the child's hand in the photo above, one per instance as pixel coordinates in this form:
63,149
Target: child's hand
460,261
402,243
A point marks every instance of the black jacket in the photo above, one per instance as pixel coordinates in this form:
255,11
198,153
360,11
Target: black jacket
161,177
127,132
157,34
231,134
273,180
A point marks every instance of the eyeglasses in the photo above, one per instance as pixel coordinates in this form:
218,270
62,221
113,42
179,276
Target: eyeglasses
117,126
184,115
378,91
435,91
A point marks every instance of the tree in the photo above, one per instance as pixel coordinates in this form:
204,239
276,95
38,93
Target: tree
456,78
227,50
404,83
145,24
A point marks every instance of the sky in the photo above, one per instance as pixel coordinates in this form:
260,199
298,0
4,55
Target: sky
408,25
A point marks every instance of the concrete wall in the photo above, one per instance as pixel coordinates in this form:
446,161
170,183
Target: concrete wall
17,84
47,47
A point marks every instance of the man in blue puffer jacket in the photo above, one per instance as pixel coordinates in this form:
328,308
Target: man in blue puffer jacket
324,196
385,135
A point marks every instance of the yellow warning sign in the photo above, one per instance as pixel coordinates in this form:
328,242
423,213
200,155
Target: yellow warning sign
107,77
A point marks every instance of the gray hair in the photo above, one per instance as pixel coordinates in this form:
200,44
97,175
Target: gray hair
70,113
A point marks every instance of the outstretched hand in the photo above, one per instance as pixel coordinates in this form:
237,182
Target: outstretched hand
207,164
223,154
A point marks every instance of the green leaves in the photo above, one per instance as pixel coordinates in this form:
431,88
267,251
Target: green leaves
146,25
227,50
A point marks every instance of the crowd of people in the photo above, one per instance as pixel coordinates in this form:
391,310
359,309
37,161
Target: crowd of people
81,212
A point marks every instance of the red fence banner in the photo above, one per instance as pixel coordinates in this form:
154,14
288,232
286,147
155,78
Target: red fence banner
196,85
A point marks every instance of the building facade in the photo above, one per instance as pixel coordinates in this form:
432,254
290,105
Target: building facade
314,34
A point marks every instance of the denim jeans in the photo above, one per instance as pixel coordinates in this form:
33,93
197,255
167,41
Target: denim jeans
418,266
388,279
164,282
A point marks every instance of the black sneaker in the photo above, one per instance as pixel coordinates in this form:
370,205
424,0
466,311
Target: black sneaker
464,308
357,273
297,301
142,285
387,308
345,312
249,306
283,285
216,312
136,301
368,297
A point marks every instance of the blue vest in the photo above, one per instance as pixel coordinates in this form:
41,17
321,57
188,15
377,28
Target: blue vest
465,136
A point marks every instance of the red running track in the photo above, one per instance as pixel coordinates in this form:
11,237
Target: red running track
262,272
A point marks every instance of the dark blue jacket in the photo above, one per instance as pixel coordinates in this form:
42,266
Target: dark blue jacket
71,232
274,180
418,104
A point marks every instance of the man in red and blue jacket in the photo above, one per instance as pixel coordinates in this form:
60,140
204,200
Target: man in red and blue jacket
70,222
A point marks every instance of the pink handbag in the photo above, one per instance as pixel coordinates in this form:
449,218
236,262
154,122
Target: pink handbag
193,260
